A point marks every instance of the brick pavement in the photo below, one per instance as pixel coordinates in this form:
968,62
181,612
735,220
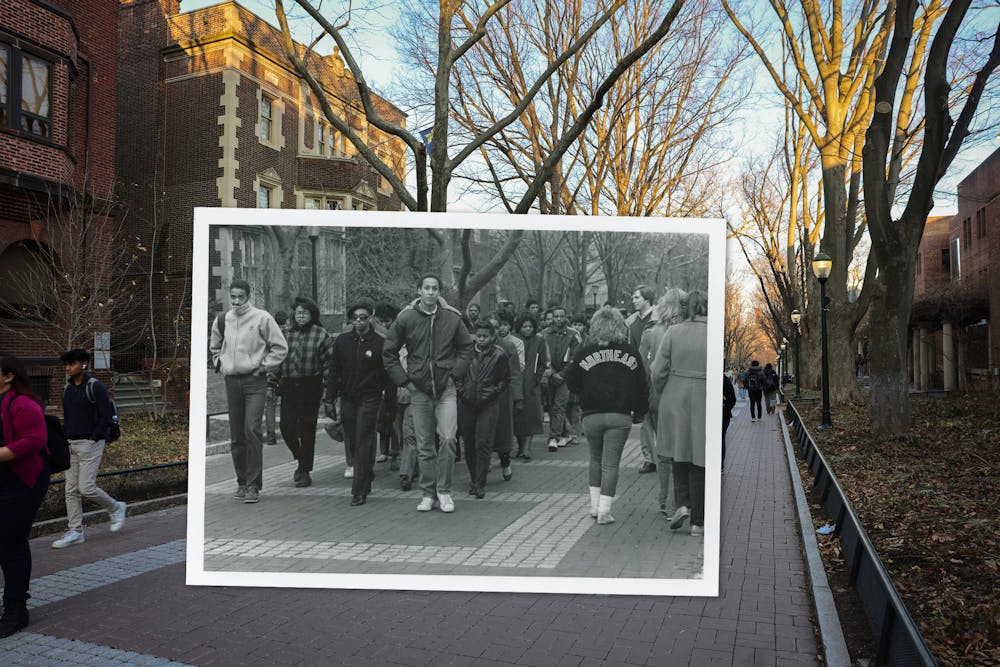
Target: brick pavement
146,615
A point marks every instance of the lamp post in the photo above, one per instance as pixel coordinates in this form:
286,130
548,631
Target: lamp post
593,291
784,364
796,318
313,238
822,265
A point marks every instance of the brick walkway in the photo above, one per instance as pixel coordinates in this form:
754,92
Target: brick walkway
128,601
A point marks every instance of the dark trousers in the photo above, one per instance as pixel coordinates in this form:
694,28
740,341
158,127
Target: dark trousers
20,504
359,417
299,415
246,395
478,426
689,490
755,397
725,427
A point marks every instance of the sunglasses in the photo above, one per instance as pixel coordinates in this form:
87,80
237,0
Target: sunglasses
361,318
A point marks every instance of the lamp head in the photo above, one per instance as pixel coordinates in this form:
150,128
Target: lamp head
822,266
796,316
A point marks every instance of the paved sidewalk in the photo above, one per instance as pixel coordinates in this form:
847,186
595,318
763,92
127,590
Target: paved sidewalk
121,598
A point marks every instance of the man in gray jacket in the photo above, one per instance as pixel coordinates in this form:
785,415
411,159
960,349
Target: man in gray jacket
247,349
439,349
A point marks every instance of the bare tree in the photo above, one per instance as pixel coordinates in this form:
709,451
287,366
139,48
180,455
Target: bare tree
895,241
460,27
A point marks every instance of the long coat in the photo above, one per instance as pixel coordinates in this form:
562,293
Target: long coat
530,420
678,377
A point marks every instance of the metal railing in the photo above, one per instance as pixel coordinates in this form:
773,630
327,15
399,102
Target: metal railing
897,636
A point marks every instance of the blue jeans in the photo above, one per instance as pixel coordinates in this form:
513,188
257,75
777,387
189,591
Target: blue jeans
441,417
558,397
245,395
606,435
405,435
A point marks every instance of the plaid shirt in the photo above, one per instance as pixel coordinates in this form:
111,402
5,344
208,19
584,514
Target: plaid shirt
309,353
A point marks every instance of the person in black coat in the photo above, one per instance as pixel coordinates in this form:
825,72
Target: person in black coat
728,402
755,388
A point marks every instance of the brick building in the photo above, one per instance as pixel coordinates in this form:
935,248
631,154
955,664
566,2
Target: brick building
215,115
57,172
955,343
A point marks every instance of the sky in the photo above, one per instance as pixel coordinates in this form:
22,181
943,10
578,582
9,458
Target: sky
756,130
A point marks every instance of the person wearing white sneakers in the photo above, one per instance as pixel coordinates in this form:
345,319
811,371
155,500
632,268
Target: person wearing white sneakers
610,379
86,422
439,349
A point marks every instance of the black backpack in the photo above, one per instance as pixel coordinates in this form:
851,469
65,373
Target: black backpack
753,381
56,454
115,430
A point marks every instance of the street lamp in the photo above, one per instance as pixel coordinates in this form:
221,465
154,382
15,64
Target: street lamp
593,291
822,265
313,238
796,318
784,364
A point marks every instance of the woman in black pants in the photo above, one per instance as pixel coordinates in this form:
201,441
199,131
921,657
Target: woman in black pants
24,478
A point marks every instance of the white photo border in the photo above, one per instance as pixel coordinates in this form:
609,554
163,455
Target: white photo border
204,218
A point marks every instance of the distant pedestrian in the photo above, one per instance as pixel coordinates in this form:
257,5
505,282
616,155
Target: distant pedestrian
610,379
728,403
562,341
301,378
530,420
511,398
439,349
642,319
533,308
24,479
388,437
87,414
471,316
678,378
741,383
771,388
248,353
482,392
755,389
359,379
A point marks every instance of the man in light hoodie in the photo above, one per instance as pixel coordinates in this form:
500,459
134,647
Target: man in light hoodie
247,350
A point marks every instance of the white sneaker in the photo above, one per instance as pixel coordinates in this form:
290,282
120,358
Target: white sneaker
697,530
447,504
349,472
564,442
553,445
69,539
381,458
117,517
426,504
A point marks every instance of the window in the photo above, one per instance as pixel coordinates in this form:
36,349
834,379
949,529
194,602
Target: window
319,203
945,259
264,196
266,116
25,92
956,261
320,138
981,223
331,138
967,233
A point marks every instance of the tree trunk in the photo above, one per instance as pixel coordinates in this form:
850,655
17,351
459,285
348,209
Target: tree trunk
890,316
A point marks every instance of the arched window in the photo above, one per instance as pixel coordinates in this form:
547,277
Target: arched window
28,287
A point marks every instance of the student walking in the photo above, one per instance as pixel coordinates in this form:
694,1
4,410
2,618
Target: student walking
610,379
247,349
87,415
755,388
439,349
24,478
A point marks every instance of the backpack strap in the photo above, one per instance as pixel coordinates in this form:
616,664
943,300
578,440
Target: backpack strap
90,390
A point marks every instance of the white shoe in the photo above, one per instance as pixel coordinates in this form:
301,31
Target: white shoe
117,517
680,516
69,539
349,472
595,494
697,530
604,509
553,445
381,458
446,503
426,504
564,442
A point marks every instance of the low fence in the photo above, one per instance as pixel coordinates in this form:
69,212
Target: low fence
898,639
130,485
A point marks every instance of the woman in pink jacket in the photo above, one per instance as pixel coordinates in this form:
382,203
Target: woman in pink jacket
24,478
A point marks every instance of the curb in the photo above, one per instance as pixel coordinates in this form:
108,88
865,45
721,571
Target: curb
100,516
830,631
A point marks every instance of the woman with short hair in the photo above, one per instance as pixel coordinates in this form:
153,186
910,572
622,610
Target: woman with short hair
24,478
610,378
529,420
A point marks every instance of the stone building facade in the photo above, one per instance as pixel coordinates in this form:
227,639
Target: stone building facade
215,115
955,333
57,172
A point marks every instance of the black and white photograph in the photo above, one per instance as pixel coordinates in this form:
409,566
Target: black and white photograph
455,402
